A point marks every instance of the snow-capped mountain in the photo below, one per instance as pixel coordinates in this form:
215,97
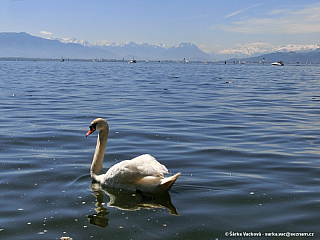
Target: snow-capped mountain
256,49
74,40
104,43
142,51
154,51
25,45
296,48
28,46
158,51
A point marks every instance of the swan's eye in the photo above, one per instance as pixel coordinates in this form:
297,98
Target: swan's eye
93,126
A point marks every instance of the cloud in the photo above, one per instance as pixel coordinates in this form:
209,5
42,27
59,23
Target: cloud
235,13
46,33
241,11
279,21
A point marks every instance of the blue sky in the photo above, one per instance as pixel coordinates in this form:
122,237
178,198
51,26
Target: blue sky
209,24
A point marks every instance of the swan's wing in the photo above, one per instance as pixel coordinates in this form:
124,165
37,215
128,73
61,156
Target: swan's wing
148,165
129,171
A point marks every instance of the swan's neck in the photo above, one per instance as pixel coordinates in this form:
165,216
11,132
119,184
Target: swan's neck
96,167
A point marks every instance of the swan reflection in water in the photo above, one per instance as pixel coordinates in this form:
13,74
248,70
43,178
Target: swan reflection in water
126,200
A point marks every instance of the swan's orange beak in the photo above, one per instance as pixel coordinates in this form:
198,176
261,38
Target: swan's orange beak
91,130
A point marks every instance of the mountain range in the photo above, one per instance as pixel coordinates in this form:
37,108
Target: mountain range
27,46
287,57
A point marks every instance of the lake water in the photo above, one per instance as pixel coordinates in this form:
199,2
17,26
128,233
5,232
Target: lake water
248,150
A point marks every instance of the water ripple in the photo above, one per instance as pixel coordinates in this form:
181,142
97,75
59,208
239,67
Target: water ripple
248,151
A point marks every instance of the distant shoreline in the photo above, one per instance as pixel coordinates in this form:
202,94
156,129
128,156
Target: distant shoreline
56,59
229,62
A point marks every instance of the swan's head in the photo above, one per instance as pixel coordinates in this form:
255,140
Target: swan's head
97,124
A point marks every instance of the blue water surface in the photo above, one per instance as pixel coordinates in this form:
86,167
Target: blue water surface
245,137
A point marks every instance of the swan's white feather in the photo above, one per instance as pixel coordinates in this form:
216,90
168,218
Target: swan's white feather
131,171
144,165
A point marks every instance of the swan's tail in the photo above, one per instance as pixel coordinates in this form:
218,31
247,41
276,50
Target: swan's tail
167,183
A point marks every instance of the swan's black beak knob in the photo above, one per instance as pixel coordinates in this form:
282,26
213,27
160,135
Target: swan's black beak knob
92,128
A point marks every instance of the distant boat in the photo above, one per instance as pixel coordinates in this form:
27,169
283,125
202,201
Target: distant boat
133,61
205,62
279,63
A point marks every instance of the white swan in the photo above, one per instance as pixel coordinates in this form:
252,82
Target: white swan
143,173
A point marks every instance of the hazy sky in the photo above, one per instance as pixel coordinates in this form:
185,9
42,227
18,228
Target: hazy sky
209,24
